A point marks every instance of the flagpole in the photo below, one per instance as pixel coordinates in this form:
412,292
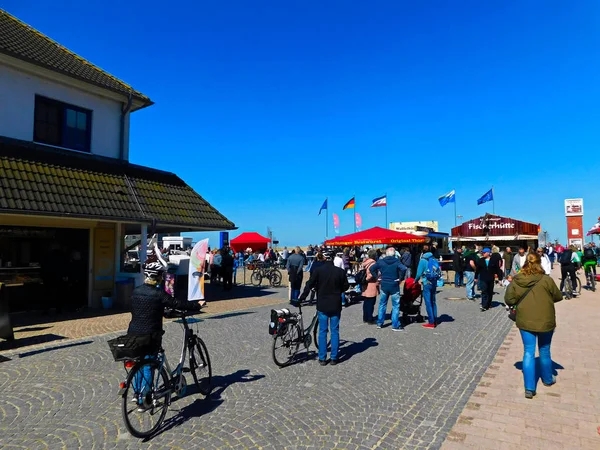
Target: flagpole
493,202
386,205
455,223
327,220
354,212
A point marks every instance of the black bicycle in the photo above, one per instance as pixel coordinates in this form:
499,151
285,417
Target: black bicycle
291,333
151,382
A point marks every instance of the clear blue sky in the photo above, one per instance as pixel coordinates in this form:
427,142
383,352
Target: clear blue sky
267,107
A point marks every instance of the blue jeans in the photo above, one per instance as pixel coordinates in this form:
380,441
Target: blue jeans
470,284
143,379
368,308
325,321
429,290
543,340
458,279
383,299
507,272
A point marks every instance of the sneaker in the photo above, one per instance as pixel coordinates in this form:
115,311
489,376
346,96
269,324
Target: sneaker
398,329
379,326
529,394
428,325
322,362
551,383
334,362
482,309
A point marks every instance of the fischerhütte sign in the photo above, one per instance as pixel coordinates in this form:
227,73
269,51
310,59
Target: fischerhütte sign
492,225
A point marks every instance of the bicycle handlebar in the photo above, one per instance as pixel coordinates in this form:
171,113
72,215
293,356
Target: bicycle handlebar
181,313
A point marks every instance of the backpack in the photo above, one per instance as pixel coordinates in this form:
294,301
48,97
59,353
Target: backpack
565,259
361,277
589,253
433,273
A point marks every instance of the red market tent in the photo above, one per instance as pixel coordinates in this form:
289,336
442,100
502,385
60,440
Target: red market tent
375,236
253,240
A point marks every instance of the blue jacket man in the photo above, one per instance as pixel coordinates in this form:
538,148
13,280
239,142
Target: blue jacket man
391,271
429,291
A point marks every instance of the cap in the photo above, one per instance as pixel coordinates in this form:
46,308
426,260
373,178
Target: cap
486,250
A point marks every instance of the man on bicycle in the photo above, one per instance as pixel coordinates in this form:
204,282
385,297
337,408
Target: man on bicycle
589,261
148,303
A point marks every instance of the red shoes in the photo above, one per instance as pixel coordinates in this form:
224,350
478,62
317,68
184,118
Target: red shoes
428,325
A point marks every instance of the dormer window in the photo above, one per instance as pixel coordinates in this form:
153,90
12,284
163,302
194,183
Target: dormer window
63,125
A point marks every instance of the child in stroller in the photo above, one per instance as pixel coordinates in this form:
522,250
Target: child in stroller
410,301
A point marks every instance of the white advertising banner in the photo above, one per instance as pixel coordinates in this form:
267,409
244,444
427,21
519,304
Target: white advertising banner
573,207
196,271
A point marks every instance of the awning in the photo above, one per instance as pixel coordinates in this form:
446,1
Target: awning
377,236
253,240
518,237
41,180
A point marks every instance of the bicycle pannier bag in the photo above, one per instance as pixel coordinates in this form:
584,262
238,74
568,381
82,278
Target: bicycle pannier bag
132,346
278,316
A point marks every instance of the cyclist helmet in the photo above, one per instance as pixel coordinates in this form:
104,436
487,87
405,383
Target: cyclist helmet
153,270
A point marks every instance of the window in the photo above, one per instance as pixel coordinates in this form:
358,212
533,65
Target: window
61,124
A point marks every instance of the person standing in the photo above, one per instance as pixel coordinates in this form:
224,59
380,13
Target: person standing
285,255
485,274
294,268
551,254
545,261
406,260
372,290
470,267
429,287
508,261
458,264
568,267
389,268
227,269
518,261
559,251
534,294
330,282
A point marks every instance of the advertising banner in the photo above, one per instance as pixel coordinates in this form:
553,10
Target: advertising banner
573,207
492,225
196,271
409,227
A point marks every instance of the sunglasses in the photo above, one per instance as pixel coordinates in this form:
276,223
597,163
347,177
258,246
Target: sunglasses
540,252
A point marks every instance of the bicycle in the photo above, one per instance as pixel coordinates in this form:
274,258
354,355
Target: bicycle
271,273
589,276
151,382
291,333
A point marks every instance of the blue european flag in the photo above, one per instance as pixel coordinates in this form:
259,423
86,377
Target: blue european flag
448,198
324,206
487,197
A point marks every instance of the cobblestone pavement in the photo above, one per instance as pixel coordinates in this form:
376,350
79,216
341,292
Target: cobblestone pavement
32,330
392,390
564,416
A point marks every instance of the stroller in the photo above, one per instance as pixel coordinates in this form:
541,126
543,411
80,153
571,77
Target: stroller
411,301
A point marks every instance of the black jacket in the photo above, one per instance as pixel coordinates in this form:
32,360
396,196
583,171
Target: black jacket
486,272
330,281
458,262
148,304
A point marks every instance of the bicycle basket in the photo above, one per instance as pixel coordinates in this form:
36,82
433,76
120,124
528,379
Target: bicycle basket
133,346
278,317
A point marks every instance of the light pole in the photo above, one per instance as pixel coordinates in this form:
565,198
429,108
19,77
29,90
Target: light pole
545,237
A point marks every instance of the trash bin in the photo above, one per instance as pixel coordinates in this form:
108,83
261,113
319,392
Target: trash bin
124,289
107,302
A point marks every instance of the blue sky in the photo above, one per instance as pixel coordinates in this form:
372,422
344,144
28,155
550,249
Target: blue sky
267,107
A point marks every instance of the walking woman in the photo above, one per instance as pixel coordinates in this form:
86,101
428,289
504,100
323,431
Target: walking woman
534,294
372,290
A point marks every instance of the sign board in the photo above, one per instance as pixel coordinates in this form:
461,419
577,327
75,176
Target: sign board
492,225
411,227
224,239
574,207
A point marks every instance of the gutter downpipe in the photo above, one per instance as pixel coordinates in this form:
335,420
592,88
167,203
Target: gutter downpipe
124,112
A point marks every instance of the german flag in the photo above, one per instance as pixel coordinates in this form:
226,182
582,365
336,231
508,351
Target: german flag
349,204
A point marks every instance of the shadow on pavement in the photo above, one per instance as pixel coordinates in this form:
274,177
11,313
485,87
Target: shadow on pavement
33,340
215,292
445,318
555,366
231,314
57,347
349,349
208,404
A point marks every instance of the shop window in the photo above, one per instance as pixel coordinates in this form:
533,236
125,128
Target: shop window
61,124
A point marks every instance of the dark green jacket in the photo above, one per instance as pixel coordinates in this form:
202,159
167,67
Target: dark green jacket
536,311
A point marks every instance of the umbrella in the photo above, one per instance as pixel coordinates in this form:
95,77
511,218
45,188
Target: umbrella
594,230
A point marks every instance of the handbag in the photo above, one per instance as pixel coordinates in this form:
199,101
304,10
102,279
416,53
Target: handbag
512,313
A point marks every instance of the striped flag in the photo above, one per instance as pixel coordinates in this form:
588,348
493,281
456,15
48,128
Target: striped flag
349,204
379,201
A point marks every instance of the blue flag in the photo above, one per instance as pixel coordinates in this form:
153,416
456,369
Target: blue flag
324,206
448,198
487,197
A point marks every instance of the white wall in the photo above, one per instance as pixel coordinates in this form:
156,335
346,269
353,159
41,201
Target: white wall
17,104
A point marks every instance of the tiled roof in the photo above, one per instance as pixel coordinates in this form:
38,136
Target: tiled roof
21,41
36,179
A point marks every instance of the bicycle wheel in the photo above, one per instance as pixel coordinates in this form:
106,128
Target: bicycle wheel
275,278
286,343
146,398
578,290
316,336
256,278
200,366
592,281
568,288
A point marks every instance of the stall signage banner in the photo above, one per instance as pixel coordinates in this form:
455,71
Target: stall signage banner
409,227
573,207
491,225
196,271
